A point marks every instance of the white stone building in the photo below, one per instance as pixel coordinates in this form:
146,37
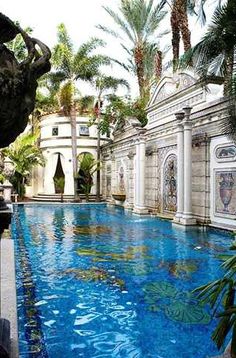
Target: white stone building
55,142
178,166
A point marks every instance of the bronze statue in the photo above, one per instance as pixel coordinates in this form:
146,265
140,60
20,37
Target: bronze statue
18,80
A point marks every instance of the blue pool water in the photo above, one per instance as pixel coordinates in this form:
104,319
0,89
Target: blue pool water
95,282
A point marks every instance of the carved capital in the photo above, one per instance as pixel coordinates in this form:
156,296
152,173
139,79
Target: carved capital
131,155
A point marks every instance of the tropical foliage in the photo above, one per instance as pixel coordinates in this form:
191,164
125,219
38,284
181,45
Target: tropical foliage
214,55
137,24
220,294
25,155
118,109
103,84
59,183
88,166
18,45
179,27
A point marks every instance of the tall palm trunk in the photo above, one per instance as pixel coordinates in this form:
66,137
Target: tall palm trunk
98,194
174,21
183,25
158,65
179,26
229,73
139,63
74,148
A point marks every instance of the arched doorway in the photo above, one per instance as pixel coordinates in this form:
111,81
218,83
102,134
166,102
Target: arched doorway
170,184
59,176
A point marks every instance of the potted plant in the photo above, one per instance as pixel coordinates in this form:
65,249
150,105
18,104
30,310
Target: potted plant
88,166
59,183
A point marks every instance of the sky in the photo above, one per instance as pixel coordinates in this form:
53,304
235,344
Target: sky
80,18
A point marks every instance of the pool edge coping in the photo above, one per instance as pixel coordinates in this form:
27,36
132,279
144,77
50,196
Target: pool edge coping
8,299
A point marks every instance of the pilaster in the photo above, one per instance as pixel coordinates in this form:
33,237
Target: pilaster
187,217
140,205
184,214
180,167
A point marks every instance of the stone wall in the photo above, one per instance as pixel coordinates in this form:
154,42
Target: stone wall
201,179
161,158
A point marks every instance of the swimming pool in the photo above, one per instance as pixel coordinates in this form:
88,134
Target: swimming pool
94,282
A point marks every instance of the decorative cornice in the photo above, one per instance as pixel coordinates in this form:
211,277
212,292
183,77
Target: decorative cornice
78,137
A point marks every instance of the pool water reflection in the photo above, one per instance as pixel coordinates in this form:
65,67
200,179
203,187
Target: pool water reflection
93,281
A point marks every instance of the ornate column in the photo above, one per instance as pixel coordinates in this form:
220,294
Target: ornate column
187,217
180,167
139,206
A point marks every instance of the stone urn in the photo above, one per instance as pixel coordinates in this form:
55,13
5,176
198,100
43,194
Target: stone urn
226,186
119,196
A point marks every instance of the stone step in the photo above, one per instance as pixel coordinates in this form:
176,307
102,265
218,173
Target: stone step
57,198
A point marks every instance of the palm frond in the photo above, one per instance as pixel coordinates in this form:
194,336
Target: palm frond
121,23
109,31
87,47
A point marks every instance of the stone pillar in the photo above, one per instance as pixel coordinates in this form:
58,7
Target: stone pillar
129,194
7,186
7,191
187,217
180,166
113,176
140,207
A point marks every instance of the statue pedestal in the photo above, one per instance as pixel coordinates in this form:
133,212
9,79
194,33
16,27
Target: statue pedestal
7,190
5,219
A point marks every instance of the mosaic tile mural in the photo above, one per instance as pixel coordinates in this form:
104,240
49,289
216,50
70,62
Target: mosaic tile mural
170,183
226,152
225,192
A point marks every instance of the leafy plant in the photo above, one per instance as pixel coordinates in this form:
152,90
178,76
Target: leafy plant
25,155
88,166
220,294
119,109
1,178
136,27
60,184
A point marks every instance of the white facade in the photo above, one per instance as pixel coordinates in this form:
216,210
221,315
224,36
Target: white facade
180,165
55,139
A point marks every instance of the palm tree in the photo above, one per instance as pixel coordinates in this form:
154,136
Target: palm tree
103,84
214,56
179,27
70,66
179,10
25,155
138,21
152,66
